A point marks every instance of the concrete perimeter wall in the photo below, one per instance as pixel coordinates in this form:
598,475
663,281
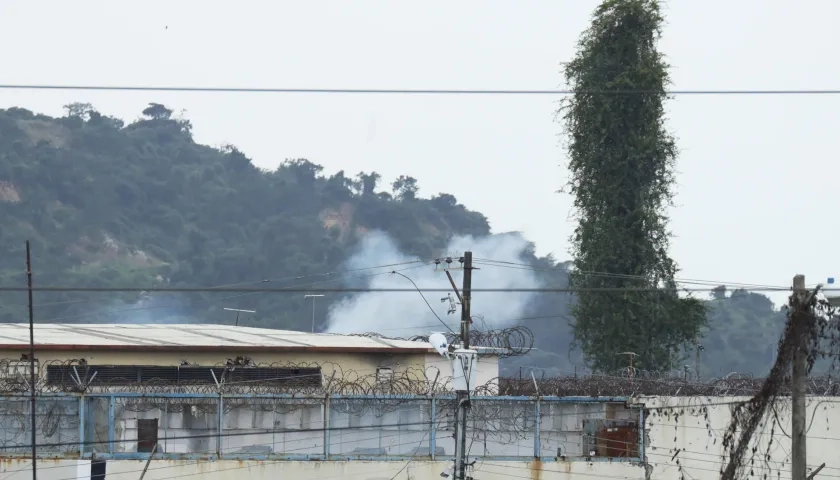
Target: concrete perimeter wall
683,438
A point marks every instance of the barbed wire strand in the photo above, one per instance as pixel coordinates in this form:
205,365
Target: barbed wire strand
334,379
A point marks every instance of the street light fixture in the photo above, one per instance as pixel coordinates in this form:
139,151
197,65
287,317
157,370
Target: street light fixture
313,297
238,311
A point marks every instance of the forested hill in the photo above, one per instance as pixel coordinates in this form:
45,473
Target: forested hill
110,204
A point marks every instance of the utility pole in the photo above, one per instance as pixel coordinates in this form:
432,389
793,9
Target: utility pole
463,397
466,295
31,358
800,320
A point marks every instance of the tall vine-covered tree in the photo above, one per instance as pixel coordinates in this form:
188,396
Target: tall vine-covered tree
621,164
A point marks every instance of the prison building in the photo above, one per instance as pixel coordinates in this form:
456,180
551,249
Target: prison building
99,355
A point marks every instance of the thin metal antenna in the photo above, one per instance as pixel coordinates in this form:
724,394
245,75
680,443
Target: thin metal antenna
238,311
631,356
313,297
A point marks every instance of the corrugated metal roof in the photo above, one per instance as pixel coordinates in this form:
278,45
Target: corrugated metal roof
15,336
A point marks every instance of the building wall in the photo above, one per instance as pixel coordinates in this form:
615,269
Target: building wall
300,470
683,439
697,432
188,426
346,365
360,364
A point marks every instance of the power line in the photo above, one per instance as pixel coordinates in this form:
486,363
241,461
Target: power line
399,434
275,461
203,472
284,452
400,91
531,469
426,423
695,281
239,295
298,289
249,466
412,458
293,430
374,426
424,299
502,322
243,289
339,274
267,431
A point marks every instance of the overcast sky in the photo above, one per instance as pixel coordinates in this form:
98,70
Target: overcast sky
757,174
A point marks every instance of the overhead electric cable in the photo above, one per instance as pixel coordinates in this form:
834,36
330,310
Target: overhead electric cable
407,91
284,452
424,299
299,289
525,266
266,431
264,281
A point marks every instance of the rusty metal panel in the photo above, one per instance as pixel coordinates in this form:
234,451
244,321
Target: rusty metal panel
617,439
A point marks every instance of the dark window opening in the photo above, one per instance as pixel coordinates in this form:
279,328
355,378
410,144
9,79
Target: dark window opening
97,469
129,374
384,374
147,435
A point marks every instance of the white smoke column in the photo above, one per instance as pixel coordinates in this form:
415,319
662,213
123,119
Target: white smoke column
406,313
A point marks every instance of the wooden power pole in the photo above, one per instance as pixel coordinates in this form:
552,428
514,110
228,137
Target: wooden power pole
466,291
462,398
31,362
800,319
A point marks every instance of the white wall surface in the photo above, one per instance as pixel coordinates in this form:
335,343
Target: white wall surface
684,440
699,428
350,470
